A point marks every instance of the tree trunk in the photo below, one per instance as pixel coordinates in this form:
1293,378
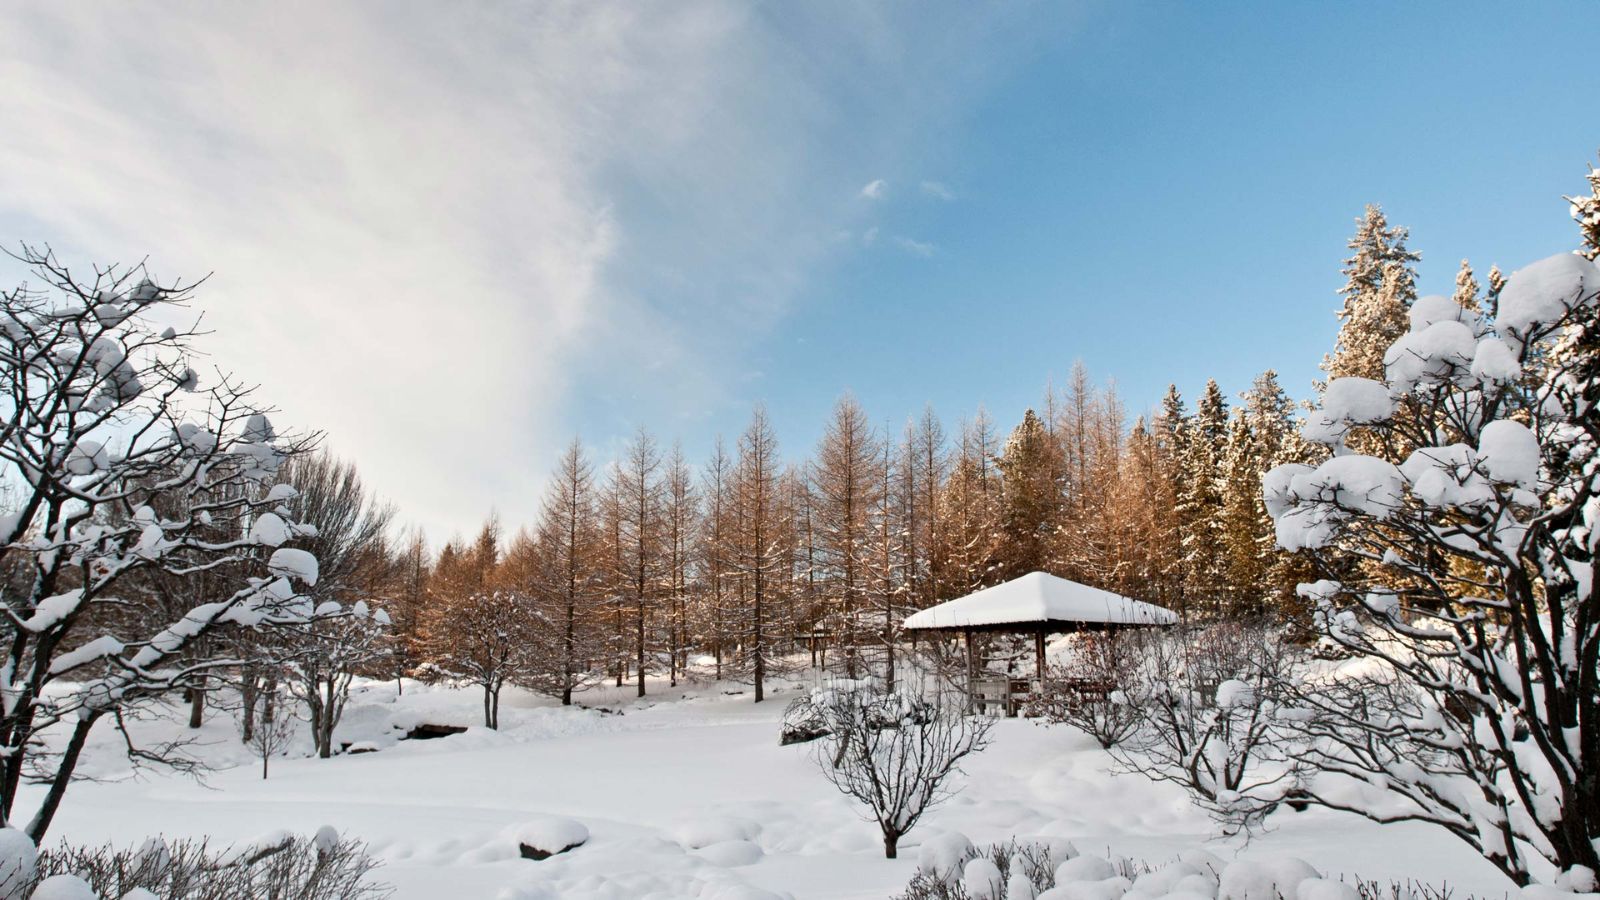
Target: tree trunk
326,723
891,845
63,777
641,645
247,697
197,707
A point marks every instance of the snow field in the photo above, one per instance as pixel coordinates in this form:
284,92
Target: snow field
686,794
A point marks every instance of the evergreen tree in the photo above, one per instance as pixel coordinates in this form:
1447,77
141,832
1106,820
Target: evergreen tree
969,526
1466,293
1032,473
1245,556
1586,212
1200,502
1379,288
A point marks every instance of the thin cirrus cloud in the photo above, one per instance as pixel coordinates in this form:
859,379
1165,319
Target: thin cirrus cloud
938,190
915,247
875,189
441,238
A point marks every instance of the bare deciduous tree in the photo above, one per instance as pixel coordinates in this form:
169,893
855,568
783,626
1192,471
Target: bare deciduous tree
122,463
894,752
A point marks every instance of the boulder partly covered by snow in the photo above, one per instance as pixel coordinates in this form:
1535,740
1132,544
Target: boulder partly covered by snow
547,836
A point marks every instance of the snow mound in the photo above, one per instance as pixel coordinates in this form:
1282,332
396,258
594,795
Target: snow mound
1437,308
981,879
297,564
940,857
1510,452
269,530
1265,880
695,834
1325,889
1347,402
1442,353
1544,292
63,887
19,862
1085,868
546,836
731,854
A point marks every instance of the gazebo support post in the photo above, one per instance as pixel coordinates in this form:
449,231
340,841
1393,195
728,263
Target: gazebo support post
1038,663
971,675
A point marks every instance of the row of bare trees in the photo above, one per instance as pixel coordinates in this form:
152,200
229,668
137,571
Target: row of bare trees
652,563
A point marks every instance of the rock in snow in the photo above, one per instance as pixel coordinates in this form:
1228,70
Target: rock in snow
547,836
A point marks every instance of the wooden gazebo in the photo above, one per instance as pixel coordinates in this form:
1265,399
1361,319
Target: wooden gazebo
1038,604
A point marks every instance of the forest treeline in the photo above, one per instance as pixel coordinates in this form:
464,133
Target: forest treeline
651,562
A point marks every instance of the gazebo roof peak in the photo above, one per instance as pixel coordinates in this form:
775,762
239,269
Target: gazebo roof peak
1039,599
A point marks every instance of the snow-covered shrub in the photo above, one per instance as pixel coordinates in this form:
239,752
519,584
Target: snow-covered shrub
1210,714
1456,554
1031,869
1015,870
894,752
322,867
1087,691
803,720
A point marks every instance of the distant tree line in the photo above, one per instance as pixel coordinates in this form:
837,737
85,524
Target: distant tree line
648,563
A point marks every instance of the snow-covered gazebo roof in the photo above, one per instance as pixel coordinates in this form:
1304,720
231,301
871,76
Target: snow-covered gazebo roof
1039,602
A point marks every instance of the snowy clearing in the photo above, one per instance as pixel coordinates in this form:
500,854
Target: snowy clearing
684,794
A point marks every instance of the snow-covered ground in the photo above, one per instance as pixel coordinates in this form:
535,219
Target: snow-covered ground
685,794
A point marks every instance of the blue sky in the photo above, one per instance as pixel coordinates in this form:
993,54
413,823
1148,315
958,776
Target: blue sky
454,244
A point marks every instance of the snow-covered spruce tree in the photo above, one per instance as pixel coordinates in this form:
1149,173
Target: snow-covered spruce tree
1032,473
121,464
1380,284
1586,212
1199,510
1475,704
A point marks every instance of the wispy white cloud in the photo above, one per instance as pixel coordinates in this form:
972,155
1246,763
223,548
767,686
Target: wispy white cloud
875,189
869,237
915,247
938,190
448,237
